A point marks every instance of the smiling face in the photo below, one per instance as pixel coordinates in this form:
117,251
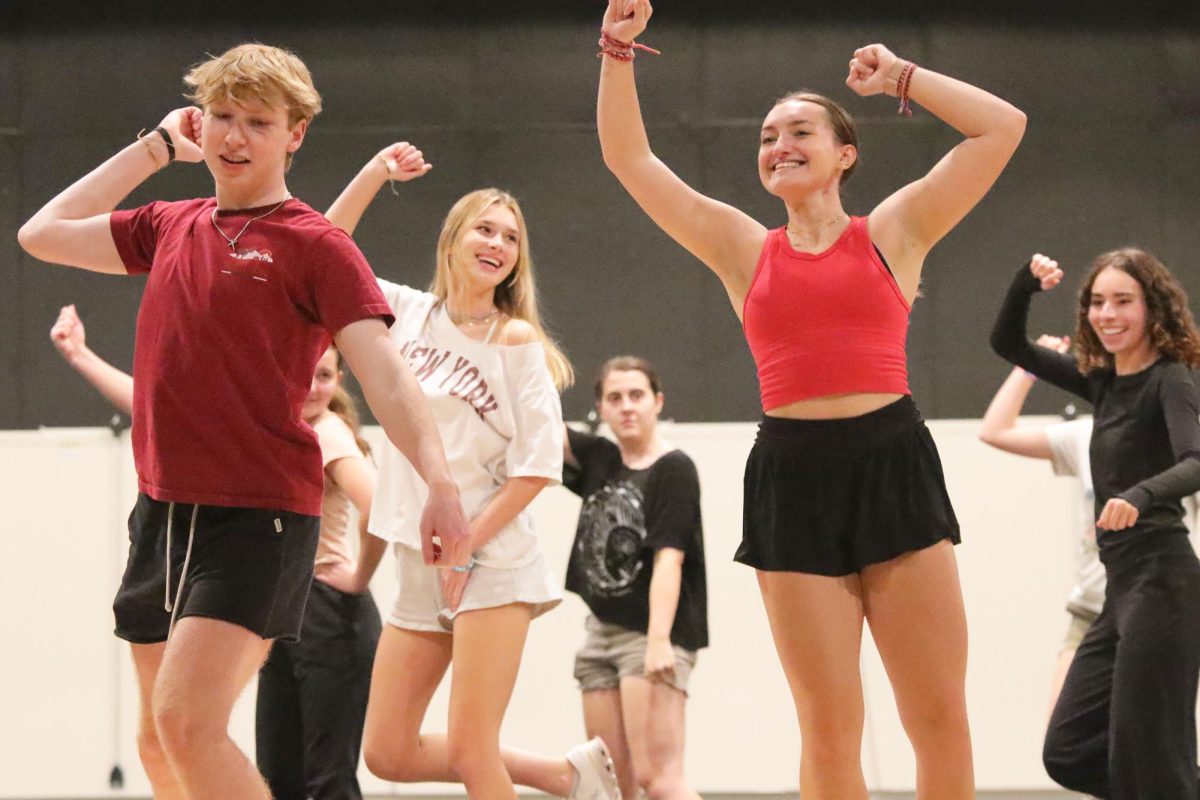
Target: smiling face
1117,314
798,150
246,144
325,381
489,247
628,405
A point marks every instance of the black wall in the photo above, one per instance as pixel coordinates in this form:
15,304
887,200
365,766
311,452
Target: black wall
503,94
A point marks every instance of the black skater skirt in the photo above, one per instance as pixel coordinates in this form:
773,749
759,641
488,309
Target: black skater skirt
829,497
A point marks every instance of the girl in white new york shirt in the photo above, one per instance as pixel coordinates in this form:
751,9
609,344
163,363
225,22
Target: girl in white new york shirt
491,377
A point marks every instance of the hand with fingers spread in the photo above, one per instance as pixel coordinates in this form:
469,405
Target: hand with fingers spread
68,334
184,126
1117,515
402,162
624,20
1046,270
869,69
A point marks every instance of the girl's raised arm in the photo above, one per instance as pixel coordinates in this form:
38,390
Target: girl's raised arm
396,162
910,222
1000,428
725,239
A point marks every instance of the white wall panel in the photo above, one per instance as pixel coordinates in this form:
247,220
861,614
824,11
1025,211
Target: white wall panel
68,684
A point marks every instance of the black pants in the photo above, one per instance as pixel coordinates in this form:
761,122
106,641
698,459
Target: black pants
1125,724
312,699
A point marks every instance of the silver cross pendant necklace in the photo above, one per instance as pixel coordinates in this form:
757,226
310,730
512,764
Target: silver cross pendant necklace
233,242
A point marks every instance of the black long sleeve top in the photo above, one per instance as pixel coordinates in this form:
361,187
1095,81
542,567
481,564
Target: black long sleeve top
1145,446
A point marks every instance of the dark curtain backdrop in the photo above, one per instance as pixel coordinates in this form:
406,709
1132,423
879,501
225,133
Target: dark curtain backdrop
504,93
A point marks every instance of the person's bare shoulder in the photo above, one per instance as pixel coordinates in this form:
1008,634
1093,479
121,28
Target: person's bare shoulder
517,331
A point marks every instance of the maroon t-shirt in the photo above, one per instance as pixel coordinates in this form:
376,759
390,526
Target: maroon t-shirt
226,346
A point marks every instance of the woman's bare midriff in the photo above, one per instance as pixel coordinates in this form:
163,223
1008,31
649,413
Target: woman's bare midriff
834,406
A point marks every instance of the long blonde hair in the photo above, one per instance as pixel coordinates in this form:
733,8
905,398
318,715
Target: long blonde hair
516,296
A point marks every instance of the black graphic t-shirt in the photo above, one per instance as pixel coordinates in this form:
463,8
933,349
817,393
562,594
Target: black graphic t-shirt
627,516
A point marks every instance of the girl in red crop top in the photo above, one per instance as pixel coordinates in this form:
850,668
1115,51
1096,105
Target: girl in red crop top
846,517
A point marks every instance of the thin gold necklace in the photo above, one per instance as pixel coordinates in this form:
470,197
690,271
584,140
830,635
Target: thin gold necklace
470,319
792,231
233,242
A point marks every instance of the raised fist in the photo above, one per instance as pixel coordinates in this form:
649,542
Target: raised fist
869,69
1046,270
626,19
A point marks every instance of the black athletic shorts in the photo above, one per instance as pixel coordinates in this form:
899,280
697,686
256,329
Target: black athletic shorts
248,566
829,497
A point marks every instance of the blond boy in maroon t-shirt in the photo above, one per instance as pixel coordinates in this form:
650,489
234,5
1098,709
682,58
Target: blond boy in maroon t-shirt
244,291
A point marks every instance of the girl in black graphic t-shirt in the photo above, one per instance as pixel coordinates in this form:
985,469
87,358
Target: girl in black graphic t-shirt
1124,726
638,563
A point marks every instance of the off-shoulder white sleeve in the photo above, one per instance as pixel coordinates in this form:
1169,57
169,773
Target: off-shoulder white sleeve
536,449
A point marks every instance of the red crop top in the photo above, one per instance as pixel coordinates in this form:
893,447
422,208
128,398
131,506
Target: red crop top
825,323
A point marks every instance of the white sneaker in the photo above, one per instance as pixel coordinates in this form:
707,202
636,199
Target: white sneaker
595,777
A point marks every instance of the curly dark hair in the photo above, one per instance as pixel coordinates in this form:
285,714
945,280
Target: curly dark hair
1169,323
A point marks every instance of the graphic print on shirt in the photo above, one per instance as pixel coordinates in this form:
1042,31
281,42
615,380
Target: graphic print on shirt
249,264
253,255
452,373
612,532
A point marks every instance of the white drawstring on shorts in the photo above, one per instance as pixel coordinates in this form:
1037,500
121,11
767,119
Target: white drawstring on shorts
170,606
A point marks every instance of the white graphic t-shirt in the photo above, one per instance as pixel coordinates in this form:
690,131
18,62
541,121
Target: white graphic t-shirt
499,416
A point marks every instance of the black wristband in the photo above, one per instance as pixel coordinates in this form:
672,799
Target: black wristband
166,137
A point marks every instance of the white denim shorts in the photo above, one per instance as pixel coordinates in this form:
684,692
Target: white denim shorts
420,605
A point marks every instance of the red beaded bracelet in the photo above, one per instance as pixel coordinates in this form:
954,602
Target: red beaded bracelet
620,51
902,84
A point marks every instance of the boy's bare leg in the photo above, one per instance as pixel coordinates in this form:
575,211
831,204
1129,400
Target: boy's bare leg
207,664
147,658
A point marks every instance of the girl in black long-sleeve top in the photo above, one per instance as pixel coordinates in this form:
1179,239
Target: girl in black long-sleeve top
1124,726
